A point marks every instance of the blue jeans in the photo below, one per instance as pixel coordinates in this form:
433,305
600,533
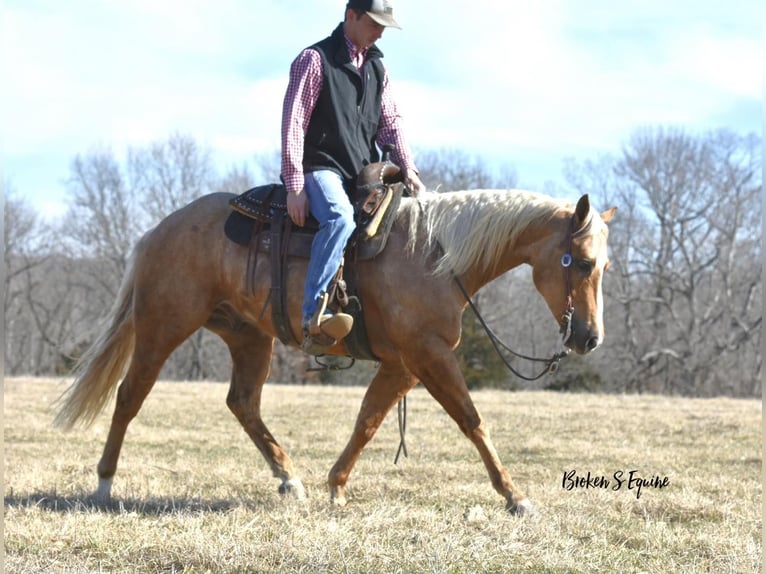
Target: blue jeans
330,205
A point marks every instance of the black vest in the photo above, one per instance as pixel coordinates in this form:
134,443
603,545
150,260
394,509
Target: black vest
343,126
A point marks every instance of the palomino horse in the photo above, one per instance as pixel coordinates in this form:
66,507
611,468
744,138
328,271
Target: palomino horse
185,274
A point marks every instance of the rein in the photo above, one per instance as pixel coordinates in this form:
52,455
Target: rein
552,363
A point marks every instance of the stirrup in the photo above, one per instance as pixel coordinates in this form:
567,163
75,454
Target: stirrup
336,326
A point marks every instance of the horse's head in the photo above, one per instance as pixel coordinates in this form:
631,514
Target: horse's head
568,268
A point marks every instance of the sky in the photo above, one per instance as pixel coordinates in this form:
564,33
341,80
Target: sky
523,85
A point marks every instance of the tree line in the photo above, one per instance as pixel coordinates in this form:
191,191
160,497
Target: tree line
682,295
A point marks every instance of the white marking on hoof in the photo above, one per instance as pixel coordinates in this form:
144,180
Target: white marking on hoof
293,487
104,492
523,508
337,497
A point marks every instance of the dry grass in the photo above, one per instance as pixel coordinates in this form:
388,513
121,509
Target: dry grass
193,495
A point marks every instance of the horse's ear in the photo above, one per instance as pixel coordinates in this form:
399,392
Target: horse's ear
606,216
582,210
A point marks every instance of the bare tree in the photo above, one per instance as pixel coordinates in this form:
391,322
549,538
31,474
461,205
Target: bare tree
683,287
21,241
22,256
269,166
43,293
170,174
237,180
105,217
451,170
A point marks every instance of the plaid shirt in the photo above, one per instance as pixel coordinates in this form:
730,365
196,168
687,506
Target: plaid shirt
301,98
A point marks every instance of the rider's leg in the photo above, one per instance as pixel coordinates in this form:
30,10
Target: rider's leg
330,205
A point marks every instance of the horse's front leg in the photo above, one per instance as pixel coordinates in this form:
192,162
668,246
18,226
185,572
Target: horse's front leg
390,384
434,363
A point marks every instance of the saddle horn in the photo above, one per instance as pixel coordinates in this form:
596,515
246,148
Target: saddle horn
380,173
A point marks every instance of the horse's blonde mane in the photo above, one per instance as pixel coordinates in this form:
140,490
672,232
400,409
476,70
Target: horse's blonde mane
475,227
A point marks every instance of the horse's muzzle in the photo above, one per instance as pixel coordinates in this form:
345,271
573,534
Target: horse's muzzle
585,338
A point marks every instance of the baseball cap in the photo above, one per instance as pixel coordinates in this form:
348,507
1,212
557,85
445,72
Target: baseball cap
380,11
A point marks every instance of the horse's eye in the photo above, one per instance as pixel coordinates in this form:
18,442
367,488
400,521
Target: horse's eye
584,266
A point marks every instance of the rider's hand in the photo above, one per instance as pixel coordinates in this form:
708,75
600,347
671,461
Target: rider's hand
413,183
298,206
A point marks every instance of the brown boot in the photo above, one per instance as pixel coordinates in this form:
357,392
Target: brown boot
325,329
316,344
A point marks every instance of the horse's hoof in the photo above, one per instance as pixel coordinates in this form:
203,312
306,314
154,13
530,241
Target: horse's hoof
103,495
293,488
338,497
523,508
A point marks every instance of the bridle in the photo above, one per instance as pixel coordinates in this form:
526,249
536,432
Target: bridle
566,263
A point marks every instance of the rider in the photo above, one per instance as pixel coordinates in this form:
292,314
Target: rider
337,110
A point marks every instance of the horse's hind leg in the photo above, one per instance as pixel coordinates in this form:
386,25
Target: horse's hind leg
161,324
251,351
148,358
390,384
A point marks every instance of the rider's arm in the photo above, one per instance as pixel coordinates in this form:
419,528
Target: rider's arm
301,97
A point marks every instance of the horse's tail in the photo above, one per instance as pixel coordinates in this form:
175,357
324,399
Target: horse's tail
101,367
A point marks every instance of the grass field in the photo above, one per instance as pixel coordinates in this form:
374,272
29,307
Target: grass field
192,494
